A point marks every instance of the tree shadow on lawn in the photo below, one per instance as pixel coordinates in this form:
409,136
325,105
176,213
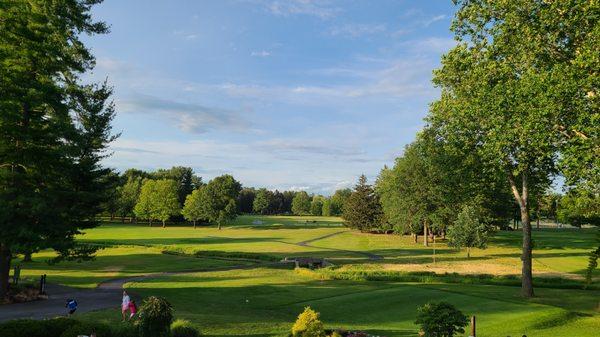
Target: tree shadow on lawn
148,242
548,239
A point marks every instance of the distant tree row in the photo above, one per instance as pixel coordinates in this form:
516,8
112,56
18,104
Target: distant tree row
178,194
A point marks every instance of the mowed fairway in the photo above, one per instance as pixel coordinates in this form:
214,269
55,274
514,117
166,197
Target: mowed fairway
265,300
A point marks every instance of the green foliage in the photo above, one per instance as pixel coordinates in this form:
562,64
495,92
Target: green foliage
128,195
593,261
218,199
55,129
158,200
185,178
363,210
327,209
192,208
87,328
23,328
316,205
520,91
263,201
183,328
301,203
338,200
579,207
308,324
245,200
469,230
441,319
156,316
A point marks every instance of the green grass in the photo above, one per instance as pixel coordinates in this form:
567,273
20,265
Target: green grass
265,301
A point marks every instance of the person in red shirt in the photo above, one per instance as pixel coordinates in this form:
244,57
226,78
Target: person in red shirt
132,309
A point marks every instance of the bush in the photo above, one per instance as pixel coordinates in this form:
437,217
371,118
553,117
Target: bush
23,328
156,316
183,328
86,328
57,326
125,329
308,324
440,320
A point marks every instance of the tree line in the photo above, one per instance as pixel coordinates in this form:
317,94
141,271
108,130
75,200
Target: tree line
178,194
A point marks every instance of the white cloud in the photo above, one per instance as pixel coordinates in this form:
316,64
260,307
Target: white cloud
188,117
317,8
434,19
357,30
261,53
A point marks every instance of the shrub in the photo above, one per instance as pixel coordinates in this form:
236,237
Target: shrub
183,328
57,326
308,324
23,328
125,329
86,328
440,320
156,316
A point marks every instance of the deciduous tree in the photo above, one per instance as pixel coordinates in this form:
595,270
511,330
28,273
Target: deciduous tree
301,203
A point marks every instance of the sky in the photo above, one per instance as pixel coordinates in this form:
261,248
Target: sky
282,94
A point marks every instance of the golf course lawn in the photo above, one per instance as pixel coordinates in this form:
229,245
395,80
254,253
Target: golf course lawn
265,300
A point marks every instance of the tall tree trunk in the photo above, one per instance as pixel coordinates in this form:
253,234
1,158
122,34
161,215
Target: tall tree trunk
416,237
5,259
194,224
150,221
522,199
219,226
425,234
537,212
164,224
468,252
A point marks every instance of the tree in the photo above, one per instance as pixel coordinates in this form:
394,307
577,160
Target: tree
338,200
469,230
164,202
128,195
186,180
301,203
156,316
263,202
316,205
362,210
143,207
519,88
327,210
579,207
308,325
288,198
192,209
245,200
440,320
54,130
218,199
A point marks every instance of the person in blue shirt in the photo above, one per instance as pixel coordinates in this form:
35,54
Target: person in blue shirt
71,306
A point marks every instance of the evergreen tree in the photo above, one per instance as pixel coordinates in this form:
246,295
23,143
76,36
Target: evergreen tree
362,210
54,129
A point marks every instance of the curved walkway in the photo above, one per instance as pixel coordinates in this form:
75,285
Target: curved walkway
106,295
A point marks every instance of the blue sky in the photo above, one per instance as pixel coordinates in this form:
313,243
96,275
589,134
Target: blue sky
294,94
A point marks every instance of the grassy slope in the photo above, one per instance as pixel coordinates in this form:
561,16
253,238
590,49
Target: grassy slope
216,301
266,301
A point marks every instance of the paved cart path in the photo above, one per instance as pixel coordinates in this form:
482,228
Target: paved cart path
105,296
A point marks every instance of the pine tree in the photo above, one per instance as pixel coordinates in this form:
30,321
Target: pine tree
362,210
54,130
